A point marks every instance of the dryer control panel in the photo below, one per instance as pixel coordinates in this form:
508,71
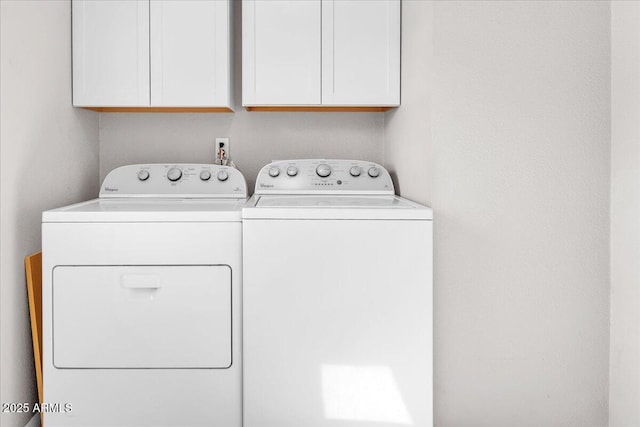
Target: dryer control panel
183,180
322,176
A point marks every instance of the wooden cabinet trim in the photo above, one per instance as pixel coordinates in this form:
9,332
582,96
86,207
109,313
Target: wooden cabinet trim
160,109
322,109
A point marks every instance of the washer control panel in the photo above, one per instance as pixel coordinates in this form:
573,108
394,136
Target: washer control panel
183,180
323,176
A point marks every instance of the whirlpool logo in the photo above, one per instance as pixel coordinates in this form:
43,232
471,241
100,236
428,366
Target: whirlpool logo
110,190
266,185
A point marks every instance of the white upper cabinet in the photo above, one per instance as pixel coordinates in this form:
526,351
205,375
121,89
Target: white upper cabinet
190,53
281,52
321,53
361,52
110,53
152,53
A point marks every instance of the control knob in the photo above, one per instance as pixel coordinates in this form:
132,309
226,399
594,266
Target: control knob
143,175
373,172
174,174
323,170
223,175
355,171
274,172
205,175
292,171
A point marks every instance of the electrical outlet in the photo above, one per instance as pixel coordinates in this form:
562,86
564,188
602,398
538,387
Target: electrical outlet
222,150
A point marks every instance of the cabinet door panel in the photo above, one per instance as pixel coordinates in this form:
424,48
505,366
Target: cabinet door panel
110,53
142,316
190,53
361,52
281,52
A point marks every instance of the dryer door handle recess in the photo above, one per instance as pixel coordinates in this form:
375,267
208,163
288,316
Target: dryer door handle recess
140,281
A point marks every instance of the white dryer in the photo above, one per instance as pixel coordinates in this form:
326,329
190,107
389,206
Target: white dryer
337,299
142,300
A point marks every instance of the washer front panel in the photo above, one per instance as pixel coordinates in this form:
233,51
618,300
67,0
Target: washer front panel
337,323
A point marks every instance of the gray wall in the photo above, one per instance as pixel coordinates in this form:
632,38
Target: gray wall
407,138
256,137
624,397
518,137
49,158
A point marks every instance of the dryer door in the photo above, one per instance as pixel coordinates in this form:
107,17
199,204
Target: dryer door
142,316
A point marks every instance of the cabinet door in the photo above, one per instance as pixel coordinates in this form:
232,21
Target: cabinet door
361,52
190,53
281,52
110,53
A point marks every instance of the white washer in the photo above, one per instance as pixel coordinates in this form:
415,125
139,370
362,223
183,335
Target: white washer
337,299
142,300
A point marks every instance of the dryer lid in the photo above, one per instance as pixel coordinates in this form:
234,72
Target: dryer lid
148,210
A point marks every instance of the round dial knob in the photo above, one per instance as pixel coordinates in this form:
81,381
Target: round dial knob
292,171
223,175
323,170
274,171
373,172
143,175
355,171
205,175
174,174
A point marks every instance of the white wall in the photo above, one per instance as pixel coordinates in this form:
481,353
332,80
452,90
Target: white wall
517,145
256,137
49,157
407,142
624,385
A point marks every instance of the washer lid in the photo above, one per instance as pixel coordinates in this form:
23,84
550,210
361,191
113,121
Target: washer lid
334,207
148,210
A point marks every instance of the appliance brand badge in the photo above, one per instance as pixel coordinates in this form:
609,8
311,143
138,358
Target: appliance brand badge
109,189
266,185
